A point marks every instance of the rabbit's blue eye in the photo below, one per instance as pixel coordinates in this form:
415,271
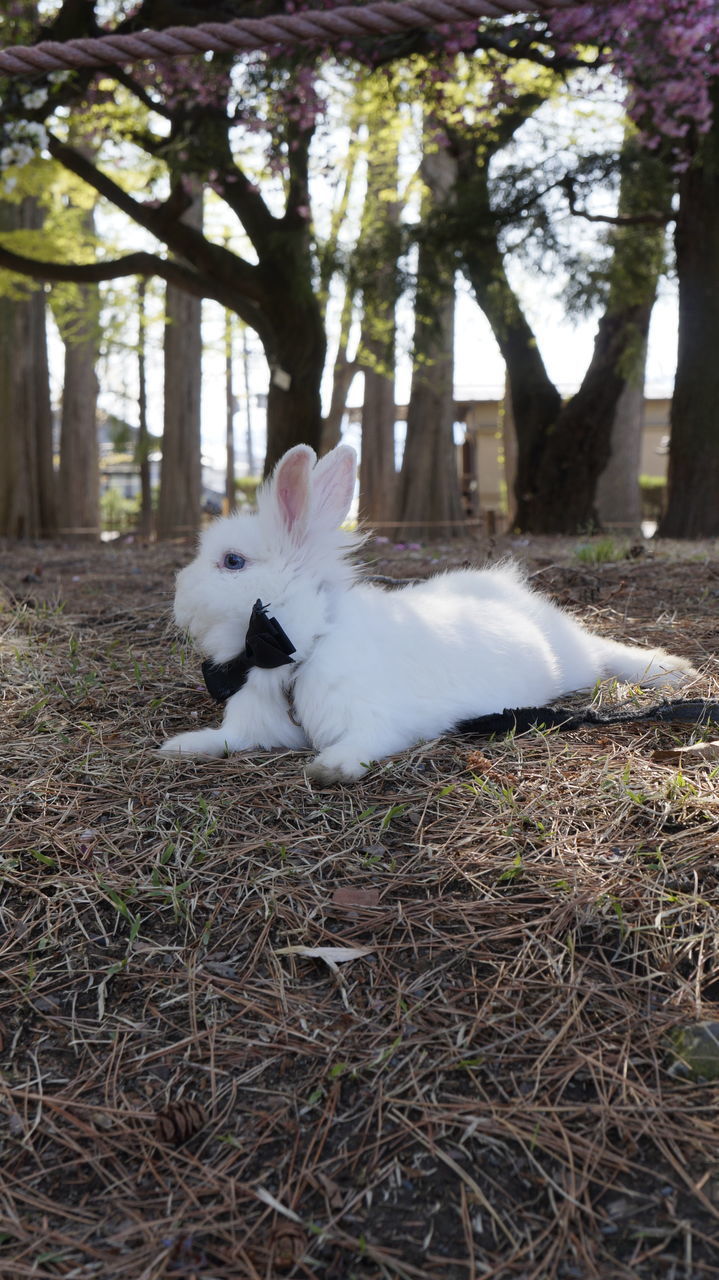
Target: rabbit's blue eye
232,561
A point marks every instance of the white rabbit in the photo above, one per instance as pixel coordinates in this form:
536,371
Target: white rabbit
374,671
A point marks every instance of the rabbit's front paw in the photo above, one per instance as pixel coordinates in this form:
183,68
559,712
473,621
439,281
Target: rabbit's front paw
335,765
200,742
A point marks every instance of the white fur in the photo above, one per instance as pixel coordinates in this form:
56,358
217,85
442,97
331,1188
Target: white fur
375,671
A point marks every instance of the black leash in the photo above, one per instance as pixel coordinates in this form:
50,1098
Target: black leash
686,711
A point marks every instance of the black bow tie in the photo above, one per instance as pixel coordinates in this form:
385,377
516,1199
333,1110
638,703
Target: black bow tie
266,645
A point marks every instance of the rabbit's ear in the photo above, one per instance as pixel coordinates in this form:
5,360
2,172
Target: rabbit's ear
291,488
333,486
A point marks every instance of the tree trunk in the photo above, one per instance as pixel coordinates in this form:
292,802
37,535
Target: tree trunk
429,499
344,369
251,469
693,505
343,375
27,482
509,451
536,402
577,449
181,475
618,494
79,466
375,270
79,495
143,438
563,449
429,502
377,474
79,476
230,410
37,391
297,356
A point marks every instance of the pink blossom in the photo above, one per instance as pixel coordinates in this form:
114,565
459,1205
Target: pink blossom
666,51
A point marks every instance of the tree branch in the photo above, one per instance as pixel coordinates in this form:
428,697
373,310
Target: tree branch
245,200
74,18
213,260
518,42
298,188
139,264
491,138
131,264
124,78
614,220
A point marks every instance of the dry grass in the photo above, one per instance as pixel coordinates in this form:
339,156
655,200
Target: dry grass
483,1093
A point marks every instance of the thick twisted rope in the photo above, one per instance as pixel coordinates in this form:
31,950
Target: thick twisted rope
383,18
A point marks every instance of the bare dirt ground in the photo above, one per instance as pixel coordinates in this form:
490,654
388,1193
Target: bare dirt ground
487,1089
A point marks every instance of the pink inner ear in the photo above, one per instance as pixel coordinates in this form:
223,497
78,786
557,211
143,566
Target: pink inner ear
293,488
334,486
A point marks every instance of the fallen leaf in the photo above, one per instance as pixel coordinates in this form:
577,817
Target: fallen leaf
695,1051
221,968
335,1195
267,1198
47,1004
15,1125
331,955
349,897
697,753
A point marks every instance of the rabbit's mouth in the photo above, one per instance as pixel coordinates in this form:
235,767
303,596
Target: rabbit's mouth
219,641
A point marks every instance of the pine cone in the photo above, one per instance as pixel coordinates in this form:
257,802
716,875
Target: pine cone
179,1121
288,1246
